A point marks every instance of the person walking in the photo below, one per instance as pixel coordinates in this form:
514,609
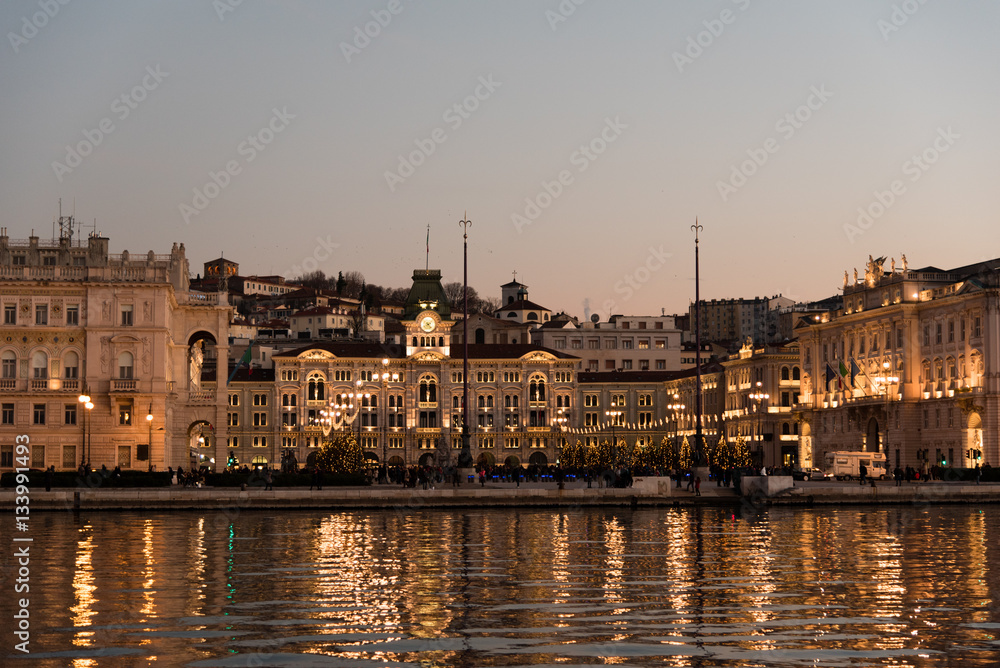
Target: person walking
697,486
863,471
898,475
268,480
979,473
50,474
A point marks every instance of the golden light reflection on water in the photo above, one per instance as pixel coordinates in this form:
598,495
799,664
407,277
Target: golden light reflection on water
673,587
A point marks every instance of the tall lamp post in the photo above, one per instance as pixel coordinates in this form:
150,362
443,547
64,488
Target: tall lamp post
613,415
560,423
674,408
759,397
884,381
149,441
85,402
385,411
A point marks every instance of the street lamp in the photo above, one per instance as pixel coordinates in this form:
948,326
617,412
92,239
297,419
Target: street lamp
149,451
613,415
85,402
560,423
759,397
674,408
884,381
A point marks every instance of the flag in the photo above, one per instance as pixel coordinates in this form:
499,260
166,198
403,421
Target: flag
245,359
843,374
855,370
830,375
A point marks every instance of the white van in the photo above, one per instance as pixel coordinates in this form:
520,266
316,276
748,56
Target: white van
847,465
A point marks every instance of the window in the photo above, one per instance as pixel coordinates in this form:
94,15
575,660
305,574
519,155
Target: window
428,420
951,331
126,315
661,365
7,456
590,419
71,366
233,419
7,414
73,315
69,414
39,365
69,456
234,400
342,375
627,344
289,419
609,365
593,344
125,366
428,390
977,327
10,314
124,415
38,414
643,365
627,365
927,335
260,400
937,333
591,401
643,344
536,389
645,399
260,419
289,399
41,314
961,329
660,344
617,400
289,374
610,343
645,419
260,441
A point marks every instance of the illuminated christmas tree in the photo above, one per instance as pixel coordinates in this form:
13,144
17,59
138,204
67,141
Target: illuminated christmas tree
341,454
685,456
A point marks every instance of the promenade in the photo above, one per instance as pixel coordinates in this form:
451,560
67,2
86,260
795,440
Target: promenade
644,492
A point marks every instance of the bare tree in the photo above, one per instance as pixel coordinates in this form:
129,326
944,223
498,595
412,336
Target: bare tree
353,280
314,279
487,305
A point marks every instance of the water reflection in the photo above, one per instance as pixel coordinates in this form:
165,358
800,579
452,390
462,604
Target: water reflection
906,586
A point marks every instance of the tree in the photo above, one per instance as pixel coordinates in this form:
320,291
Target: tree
487,305
685,458
341,284
353,282
314,279
341,454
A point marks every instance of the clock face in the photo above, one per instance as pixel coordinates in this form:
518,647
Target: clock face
427,324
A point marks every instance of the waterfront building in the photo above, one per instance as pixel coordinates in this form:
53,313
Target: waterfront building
623,343
909,365
762,384
124,330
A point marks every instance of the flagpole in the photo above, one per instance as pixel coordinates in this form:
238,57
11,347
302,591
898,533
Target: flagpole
697,353
465,456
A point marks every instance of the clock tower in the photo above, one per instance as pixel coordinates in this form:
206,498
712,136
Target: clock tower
427,315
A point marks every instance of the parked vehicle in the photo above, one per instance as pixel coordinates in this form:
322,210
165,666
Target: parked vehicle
847,465
810,474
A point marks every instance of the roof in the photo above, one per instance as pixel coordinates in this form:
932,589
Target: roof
522,305
513,284
506,351
627,376
373,350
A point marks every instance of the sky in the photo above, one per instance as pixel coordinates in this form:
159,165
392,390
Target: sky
582,138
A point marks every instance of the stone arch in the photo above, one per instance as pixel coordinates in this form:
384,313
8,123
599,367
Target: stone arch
200,444
426,459
538,459
873,441
512,462
485,459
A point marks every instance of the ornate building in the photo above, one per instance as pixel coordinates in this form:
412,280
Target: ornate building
910,365
124,331
762,384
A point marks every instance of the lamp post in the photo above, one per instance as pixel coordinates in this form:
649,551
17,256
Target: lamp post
884,381
759,397
85,402
613,415
560,423
674,408
149,451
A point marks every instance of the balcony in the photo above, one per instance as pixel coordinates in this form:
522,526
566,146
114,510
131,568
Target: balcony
123,385
201,397
70,385
38,384
8,384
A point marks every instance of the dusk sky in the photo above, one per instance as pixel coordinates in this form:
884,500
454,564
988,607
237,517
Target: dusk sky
582,138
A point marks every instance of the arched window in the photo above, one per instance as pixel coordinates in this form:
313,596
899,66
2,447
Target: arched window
796,374
428,389
532,316
8,371
71,365
480,335
481,401
784,373
536,388
39,365
786,429
316,387
125,361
